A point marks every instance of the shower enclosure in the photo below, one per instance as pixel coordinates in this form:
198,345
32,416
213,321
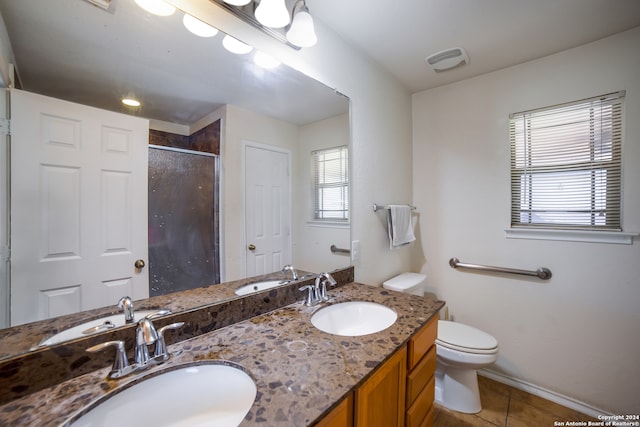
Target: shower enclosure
184,249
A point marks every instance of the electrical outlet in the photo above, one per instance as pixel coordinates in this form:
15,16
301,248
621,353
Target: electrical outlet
355,250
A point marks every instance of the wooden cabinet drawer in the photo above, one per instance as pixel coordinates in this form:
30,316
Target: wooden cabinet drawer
429,419
420,375
417,413
422,342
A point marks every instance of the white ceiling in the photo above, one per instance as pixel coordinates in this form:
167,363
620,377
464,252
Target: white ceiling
496,34
73,50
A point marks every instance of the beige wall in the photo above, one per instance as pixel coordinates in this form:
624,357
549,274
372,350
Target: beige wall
577,334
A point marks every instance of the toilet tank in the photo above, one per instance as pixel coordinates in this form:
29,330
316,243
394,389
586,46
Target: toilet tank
410,283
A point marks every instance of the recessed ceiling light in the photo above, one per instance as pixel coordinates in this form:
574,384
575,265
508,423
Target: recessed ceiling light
198,27
157,7
236,46
131,102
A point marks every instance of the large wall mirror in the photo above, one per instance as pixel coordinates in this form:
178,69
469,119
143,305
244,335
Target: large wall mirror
78,51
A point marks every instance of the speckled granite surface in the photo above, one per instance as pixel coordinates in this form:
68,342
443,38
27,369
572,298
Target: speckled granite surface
23,338
300,371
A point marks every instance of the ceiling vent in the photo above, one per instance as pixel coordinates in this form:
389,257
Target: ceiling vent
447,59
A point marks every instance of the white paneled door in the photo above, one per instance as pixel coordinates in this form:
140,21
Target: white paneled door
267,209
78,207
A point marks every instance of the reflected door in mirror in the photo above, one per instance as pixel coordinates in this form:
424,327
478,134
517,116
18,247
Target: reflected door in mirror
78,215
267,209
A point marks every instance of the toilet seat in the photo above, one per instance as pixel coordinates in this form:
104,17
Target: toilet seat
464,338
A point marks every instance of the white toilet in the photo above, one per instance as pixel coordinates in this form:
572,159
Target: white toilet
460,351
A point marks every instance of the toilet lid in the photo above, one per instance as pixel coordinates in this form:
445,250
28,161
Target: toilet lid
462,337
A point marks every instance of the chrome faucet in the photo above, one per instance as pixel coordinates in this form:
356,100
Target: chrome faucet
321,285
317,292
293,271
146,335
126,305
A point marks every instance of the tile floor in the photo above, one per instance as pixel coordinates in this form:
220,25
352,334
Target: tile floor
506,406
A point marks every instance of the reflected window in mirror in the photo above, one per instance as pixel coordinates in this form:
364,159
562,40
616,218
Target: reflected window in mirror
330,172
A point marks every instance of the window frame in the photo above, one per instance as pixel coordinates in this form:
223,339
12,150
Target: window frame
523,171
317,217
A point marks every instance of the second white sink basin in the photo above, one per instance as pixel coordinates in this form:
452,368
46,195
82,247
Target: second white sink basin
354,318
92,327
259,286
201,395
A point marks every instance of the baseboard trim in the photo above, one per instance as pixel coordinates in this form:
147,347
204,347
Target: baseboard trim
552,396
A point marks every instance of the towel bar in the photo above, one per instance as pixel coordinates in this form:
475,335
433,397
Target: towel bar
377,207
541,273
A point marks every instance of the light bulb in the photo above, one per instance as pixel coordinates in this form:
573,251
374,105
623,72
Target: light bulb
302,32
198,27
237,2
272,13
131,102
157,7
236,46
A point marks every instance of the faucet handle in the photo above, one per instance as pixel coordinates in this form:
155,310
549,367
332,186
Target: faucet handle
161,352
121,363
158,313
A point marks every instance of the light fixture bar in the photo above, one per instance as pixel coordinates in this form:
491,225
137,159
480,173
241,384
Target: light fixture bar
246,13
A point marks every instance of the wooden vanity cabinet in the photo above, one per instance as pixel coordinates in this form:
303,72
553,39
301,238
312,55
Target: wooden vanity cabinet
340,416
380,400
421,367
399,393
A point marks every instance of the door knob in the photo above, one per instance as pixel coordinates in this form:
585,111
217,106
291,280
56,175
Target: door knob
252,247
139,264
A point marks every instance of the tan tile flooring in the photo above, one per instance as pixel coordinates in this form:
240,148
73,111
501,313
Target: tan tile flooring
506,406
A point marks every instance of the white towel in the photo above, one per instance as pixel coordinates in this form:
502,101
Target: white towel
400,226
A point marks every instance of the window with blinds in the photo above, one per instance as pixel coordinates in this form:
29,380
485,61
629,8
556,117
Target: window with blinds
566,165
330,184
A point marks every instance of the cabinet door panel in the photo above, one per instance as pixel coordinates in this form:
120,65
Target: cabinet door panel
380,400
340,416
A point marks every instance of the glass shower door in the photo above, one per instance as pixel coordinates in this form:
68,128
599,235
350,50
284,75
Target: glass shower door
184,251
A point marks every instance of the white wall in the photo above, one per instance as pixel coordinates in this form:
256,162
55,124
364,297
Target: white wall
311,241
577,334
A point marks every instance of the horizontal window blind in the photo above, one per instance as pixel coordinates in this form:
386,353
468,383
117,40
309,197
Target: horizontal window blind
566,165
331,184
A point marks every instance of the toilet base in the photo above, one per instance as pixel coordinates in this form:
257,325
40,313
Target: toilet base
457,389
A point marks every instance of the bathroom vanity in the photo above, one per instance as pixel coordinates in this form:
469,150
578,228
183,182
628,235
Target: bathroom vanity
303,376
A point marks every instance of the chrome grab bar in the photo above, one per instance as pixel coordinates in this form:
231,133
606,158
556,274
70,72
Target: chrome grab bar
541,273
335,249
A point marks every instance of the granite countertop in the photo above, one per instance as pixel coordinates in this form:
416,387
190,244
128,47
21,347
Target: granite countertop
23,338
300,372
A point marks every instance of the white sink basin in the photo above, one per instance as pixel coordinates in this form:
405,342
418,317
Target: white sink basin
259,286
354,318
202,395
93,327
